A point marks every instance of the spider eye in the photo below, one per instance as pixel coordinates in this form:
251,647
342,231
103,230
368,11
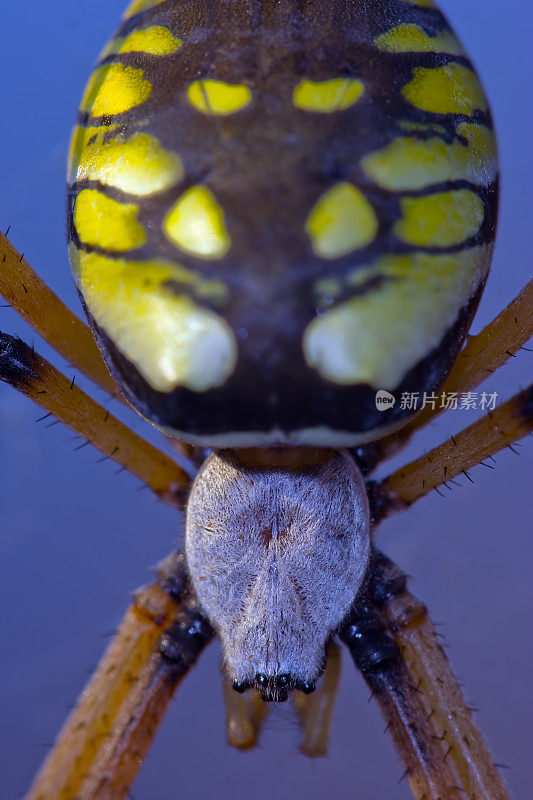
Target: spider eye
241,686
306,687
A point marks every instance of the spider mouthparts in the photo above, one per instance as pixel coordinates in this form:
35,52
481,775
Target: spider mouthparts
274,696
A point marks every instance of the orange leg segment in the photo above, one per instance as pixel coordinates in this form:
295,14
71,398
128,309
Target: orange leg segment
490,434
38,379
449,722
103,743
315,711
29,295
394,643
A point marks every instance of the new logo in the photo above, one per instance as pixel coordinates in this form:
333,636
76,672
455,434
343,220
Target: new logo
384,400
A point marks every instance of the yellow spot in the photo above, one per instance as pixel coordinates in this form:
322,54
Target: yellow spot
336,94
104,223
376,338
440,220
218,97
157,40
171,340
138,165
341,221
196,224
413,39
114,89
407,164
80,139
140,5
452,89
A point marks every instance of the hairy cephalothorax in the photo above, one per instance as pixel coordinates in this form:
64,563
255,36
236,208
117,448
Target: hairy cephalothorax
277,556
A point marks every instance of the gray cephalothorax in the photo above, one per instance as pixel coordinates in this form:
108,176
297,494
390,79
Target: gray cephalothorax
277,557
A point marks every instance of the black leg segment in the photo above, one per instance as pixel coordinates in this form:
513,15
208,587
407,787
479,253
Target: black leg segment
380,659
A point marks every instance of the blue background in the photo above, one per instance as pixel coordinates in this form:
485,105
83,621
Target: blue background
76,538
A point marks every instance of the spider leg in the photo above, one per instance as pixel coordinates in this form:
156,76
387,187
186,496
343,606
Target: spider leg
104,741
35,377
393,642
29,295
245,714
490,434
482,355
315,711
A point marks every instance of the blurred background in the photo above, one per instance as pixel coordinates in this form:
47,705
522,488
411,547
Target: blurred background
76,538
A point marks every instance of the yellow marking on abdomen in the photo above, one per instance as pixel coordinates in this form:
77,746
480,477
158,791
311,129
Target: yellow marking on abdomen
408,38
138,165
114,89
218,97
102,222
439,220
140,5
324,97
452,89
342,220
157,41
196,224
407,164
171,340
80,141
377,337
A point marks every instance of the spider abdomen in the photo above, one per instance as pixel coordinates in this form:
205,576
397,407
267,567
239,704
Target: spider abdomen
276,210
